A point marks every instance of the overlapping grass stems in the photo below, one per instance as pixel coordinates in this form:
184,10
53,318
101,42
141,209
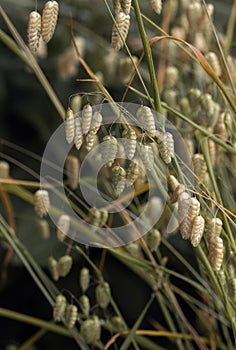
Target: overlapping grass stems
206,119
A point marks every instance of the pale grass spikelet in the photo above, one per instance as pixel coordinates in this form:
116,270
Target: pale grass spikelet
153,239
233,289
190,146
109,149
41,202
78,133
194,95
43,228
49,19
104,217
69,125
212,151
90,139
214,227
147,157
96,122
4,169
72,167
120,30
213,61
156,5
75,103
94,216
132,173
129,141
117,324
84,279
103,294
171,77
118,179
183,206
63,226
71,314
64,265
220,128
177,192
90,330
87,114
187,223
34,31
59,308
146,119
216,252
197,230
199,166
166,146
173,182
170,97
84,305
53,268
117,6
185,106
194,15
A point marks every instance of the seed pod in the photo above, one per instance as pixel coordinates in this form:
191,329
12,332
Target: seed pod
212,151
104,217
220,128
134,249
207,104
117,6
84,279
96,121
118,179
173,182
233,289
75,103
194,15
117,324
197,230
90,330
72,170
44,229
4,169
166,146
90,138
190,146
109,150
216,252
64,265
187,223
34,30
185,106
49,20
156,5
183,206
63,226
193,97
126,5
214,227
94,216
222,278
53,268
87,114
153,239
71,315
84,305
213,61
78,133
103,294
120,30
175,195
69,125
59,308
170,97
147,157
129,142
41,202
132,173
199,166
171,77
146,118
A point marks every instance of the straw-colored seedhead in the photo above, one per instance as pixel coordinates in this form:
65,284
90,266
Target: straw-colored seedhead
118,179
34,30
103,294
84,279
64,265
69,125
49,20
71,315
84,305
72,167
59,308
156,5
197,230
216,252
53,268
129,142
147,157
109,150
166,146
199,166
120,30
41,202
87,114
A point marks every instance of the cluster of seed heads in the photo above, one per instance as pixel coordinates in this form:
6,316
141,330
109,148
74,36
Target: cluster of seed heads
42,26
90,329
64,312
97,217
59,268
41,202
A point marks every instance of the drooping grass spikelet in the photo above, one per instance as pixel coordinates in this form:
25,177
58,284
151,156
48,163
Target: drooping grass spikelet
118,179
153,239
197,230
96,121
90,139
69,125
129,141
166,146
90,330
44,229
84,305
187,223
156,5
64,265
104,217
109,149
87,114
214,227
120,30
103,294
78,133
53,268
171,77
84,279
49,19
63,226
132,173
117,6
94,216
34,30
72,167
213,61
4,169
59,308
71,315
216,252
147,157
146,119
199,166
126,6
41,202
